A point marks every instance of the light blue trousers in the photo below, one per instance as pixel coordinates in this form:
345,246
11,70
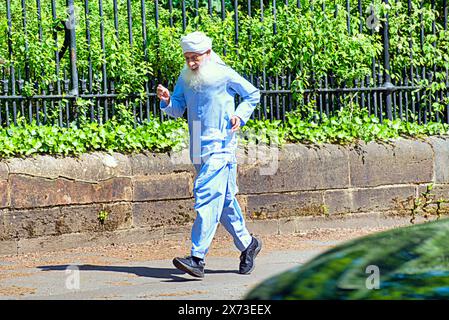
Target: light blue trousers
214,189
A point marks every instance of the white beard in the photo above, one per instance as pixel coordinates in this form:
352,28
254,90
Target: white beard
208,73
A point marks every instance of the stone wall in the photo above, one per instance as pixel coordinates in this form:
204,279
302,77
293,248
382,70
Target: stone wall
48,203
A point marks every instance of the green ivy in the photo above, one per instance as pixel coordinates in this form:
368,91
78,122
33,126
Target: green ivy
25,139
350,125
310,41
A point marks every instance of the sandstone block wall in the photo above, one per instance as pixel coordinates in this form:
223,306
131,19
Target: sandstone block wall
151,195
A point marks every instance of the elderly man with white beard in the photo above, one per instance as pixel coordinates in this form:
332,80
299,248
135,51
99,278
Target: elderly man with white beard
206,87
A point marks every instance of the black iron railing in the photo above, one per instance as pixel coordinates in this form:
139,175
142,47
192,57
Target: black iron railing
58,102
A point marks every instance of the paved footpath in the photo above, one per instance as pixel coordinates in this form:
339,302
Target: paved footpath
145,271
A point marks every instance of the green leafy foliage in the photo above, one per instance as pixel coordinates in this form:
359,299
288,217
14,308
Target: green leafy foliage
102,216
349,125
311,41
26,139
352,124
308,41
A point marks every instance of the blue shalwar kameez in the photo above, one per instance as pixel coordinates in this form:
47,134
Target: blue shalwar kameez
212,151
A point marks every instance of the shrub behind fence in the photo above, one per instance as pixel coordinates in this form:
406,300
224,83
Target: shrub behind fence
66,61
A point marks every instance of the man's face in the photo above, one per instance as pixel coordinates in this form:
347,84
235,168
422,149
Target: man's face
194,60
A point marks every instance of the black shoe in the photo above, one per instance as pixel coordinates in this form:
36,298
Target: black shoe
192,265
247,257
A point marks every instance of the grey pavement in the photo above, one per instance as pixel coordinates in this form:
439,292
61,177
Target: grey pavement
151,279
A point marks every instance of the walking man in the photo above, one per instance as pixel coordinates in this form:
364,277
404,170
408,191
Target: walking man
206,87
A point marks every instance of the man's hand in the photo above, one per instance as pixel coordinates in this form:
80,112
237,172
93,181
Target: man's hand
163,94
235,122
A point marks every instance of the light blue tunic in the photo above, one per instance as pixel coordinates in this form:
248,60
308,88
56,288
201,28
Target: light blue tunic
212,151
209,112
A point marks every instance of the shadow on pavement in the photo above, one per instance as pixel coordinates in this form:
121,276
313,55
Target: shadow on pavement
160,273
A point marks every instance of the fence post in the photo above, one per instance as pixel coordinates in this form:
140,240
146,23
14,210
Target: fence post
71,25
387,77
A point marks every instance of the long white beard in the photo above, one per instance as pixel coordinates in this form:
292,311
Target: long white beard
208,73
